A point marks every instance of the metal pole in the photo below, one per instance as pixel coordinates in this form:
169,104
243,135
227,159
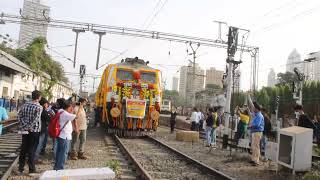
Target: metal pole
300,93
75,50
227,106
77,31
100,33
194,51
81,82
94,80
194,80
219,30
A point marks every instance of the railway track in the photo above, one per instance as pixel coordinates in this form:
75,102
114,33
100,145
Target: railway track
128,170
10,143
156,160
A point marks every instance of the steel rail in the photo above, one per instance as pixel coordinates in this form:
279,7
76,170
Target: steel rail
203,167
12,142
144,175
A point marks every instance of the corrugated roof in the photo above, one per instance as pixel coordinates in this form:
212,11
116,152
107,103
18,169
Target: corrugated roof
15,64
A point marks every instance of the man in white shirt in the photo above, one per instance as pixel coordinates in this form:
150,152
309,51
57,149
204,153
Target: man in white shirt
67,125
199,116
194,119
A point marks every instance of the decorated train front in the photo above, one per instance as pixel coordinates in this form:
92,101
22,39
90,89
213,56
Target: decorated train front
129,96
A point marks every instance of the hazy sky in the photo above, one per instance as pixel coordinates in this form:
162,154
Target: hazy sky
277,27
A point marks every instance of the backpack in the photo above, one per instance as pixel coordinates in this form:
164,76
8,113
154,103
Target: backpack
54,129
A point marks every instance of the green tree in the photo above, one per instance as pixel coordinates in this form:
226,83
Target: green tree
286,78
263,98
174,96
212,86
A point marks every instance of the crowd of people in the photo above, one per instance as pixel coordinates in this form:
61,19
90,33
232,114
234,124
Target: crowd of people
252,118
36,115
35,120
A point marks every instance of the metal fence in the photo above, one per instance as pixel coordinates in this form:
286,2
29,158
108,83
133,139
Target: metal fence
10,104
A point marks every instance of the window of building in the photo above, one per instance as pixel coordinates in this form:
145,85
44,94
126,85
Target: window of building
5,91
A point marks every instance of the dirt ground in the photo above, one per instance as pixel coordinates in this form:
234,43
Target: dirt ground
95,148
237,165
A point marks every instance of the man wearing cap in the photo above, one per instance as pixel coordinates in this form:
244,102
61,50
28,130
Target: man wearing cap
256,126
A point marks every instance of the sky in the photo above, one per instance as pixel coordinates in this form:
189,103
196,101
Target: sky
276,27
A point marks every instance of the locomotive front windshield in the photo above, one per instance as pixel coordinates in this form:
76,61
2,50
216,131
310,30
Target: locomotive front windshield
148,77
124,75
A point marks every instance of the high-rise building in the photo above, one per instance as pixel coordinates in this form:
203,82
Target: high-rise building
183,81
272,78
294,60
175,83
214,76
33,9
186,86
312,68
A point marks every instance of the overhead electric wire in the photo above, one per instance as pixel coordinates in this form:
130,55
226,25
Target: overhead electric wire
150,22
60,54
286,21
260,18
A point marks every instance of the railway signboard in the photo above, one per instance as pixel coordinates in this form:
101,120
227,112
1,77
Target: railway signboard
136,108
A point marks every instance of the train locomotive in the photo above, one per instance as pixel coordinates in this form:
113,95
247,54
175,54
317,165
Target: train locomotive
130,96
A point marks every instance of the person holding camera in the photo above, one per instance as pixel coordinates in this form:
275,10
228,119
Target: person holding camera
81,122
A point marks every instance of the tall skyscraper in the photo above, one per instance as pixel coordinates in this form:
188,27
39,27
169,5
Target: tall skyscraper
312,69
294,60
183,81
214,76
272,78
186,86
175,83
33,9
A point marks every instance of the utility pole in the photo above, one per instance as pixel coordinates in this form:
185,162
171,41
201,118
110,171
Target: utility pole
194,51
77,31
100,33
82,73
254,54
232,48
94,81
219,30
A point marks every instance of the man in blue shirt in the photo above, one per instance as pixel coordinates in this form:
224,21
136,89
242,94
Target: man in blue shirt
3,116
256,126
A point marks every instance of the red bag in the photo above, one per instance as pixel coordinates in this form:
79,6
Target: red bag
54,126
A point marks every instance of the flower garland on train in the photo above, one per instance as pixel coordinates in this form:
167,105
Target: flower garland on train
142,91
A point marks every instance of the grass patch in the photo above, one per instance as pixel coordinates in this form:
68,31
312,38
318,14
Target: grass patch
115,166
314,174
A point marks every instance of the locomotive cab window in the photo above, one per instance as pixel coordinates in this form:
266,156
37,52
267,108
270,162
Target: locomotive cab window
148,77
124,75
